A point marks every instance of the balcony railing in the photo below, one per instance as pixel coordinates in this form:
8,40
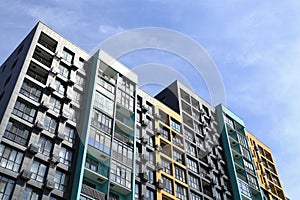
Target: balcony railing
42,60
45,44
36,76
92,192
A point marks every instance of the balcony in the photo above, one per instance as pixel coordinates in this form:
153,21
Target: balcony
92,192
47,42
42,57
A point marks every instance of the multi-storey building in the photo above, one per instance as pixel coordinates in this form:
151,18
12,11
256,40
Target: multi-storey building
205,162
241,168
266,169
75,126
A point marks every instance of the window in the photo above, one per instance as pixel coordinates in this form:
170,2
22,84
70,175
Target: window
252,181
6,187
190,149
38,171
80,80
175,125
69,134
246,153
101,121
229,121
177,140
188,134
181,192
165,133
104,103
125,100
99,141
249,167
81,63
137,191
24,111
61,181
45,146
150,194
73,114
63,70
126,86
65,156
242,140
168,185
10,158
59,87
166,165
50,124
122,152
120,174
178,156
31,91
195,196
151,176
244,188
77,98
17,133
55,104
179,173
192,165
30,194
91,164
106,85
194,182
113,196
68,55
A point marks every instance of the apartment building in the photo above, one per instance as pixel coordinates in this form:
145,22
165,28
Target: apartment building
268,176
76,126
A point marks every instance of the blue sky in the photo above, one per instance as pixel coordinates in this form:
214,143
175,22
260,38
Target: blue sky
255,45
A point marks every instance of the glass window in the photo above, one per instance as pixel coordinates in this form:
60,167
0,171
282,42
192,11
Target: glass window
151,176
50,124
192,165
252,181
99,141
59,87
68,55
91,164
168,185
125,100
178,156
63,70
24,111
31,91
17,133
38,171
80,80
122,152
190,149
181,192
6,187
166,165
150,194
106,85
244,188
45,145
195,196
30,194
120,174
126,86
104,103
77,97
101,121
246,153
69,133
65,156
55,104
10,158
179,173
175,125
194,182
61,180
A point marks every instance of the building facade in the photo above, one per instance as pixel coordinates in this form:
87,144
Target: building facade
76,126
268,176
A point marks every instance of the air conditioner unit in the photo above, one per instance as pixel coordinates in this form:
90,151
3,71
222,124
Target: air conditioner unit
145,123
51,86
144,158
33,148
159,131
158,148
158,116
39,125
145,108
60,136
25,174
159,166
129,142
49,184
160,185
144,140
54,70
45,105
54,159
144,176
